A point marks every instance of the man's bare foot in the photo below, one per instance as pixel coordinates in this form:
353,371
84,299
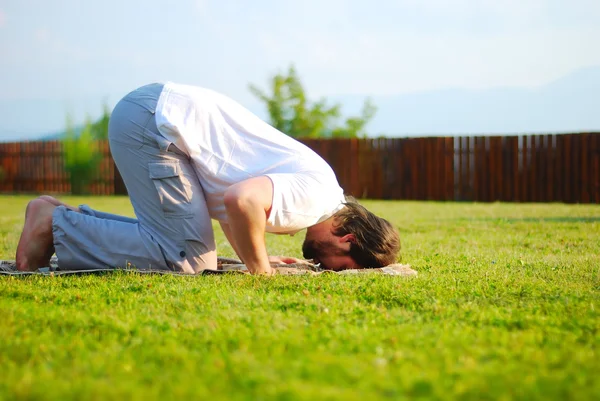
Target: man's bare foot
36,243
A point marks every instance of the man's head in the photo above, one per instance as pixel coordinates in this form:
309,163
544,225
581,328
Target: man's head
353,238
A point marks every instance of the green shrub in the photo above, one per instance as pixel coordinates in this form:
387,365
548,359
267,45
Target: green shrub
81,157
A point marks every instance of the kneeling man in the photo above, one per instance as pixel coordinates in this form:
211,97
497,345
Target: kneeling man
186,155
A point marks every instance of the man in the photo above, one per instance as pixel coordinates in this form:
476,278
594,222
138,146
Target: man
189,154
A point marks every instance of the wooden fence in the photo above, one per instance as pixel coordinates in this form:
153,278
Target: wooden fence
38,167
529,168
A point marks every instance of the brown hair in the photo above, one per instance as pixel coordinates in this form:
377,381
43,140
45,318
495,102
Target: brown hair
377,242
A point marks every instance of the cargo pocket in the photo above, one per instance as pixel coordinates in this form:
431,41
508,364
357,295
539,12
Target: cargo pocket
174,189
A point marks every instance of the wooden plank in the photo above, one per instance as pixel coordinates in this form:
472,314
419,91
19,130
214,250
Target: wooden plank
575,168
438,156
550,161
529,174
558,173
540,167
433,164
50,172
397,164
377,163
505,172
584,168
513,177
491,169
440,168
449,149
414,167
405,149
480,187
568,191
523,168
22,149
420,168
496,165
476,170
387,169
402,167
507,168
470,169
389,178
35,161
4,179
424,169
459,177
534,173
354,172
42,184
384,166
504,183
59,167
361,166
487,174
430,168
8,167
367,168
424,166
595,168
416,160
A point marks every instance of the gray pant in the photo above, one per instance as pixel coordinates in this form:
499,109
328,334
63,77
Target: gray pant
173,229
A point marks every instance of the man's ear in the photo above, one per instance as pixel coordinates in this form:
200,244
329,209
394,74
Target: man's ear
348,238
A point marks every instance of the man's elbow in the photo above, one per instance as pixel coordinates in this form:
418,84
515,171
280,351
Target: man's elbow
238,202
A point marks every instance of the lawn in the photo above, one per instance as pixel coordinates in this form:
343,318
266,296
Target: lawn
505,306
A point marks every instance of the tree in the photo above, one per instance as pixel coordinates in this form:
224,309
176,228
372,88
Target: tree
81,151
81,156
292,113
100,127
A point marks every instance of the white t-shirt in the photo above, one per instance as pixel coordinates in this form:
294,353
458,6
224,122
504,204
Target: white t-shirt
228,144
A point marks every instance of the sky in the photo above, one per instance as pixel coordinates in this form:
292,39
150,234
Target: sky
70,56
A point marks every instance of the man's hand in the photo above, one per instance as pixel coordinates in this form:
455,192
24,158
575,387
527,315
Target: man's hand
286,260
248,204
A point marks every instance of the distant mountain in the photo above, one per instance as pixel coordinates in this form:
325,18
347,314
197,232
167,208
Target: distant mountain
568,104
21,119
55,135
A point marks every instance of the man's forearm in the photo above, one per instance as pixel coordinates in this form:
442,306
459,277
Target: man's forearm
227,230
248,204
247,230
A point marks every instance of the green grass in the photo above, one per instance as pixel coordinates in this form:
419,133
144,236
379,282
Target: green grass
505,307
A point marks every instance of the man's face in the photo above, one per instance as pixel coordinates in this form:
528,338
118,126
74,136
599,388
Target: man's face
330,254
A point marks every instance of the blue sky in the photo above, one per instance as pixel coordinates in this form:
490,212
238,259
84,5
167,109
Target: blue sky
69,55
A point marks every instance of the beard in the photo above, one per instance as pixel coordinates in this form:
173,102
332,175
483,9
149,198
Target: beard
312,249
315,249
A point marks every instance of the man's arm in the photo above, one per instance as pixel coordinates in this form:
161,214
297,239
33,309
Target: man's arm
227,230
248,204
272,259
